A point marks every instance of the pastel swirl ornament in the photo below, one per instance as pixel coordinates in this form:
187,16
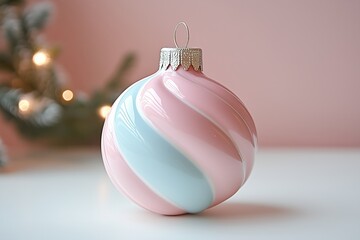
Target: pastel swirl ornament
178,142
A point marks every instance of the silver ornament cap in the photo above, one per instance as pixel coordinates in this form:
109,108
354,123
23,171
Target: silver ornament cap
185,57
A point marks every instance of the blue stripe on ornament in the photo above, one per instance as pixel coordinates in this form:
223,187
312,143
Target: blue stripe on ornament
159,164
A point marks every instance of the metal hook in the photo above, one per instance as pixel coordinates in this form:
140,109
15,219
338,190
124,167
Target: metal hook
187,31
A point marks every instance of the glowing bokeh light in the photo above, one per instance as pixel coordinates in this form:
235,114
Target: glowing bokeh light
103,111
24,105
67,95
41,58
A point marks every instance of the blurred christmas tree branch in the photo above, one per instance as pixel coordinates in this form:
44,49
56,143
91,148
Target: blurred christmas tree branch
32,91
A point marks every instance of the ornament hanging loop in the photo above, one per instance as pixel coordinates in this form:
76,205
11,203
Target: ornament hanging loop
187,32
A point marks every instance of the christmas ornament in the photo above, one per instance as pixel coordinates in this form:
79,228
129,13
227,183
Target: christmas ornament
178,142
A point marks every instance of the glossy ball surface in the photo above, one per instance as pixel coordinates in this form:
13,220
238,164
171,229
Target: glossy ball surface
178,142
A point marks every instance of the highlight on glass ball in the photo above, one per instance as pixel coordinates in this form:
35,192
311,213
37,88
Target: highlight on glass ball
177,141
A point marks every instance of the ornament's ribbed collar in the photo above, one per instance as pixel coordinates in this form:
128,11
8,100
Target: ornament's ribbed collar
185,57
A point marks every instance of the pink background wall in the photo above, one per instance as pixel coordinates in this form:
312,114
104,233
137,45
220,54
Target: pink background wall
295,64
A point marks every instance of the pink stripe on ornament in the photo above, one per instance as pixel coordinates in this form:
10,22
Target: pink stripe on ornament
232,100
214,107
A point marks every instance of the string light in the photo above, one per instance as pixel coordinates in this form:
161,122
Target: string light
24,105
103,111
41,58
67,95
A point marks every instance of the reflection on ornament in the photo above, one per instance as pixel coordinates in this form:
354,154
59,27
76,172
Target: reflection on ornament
67,95
41,58
24,105
103,111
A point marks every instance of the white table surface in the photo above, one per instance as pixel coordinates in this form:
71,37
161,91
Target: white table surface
291,194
